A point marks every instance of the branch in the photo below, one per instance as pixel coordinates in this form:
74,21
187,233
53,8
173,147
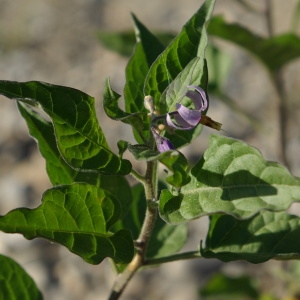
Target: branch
150,184
172,258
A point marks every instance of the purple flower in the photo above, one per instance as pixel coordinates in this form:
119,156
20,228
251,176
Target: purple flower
163,144
186,118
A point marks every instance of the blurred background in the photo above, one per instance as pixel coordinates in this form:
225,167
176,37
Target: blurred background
57,42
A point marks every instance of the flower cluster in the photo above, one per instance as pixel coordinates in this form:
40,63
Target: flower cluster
182,118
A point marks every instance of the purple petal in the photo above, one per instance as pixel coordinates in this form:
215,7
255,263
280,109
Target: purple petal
198,97
183,125
163,144
192,117
186,118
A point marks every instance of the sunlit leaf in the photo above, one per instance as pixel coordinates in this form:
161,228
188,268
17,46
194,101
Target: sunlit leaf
78,216
59,171
231,178
190,43
147,48
80,139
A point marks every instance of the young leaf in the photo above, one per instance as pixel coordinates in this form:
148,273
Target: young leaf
175,161
190,43
265,236
111,108
146,51
60,172
79,137
231,178
77,216
15,283
274,52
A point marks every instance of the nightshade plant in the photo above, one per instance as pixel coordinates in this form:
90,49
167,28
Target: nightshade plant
94,212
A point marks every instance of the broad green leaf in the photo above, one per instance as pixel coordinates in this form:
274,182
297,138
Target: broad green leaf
265,236
229,287
231,178
60,172
273,52
111,108
77,216
15,283
190,43
166,239
146,51
80,139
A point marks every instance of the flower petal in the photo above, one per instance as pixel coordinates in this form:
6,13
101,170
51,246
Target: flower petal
192,117
186,118
198,97
163,144
183,125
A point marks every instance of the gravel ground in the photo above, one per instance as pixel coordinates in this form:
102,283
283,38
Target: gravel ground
55,41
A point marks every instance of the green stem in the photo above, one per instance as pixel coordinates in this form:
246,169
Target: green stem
140,178
172,258
141,244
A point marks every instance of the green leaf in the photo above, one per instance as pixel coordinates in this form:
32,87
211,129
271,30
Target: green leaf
265,236
166,239
190,43
177,163
15,283
192,74
146,51
231,178
77,216
273,52
60,172
79,137
174,160
111,108
144,152
227,287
